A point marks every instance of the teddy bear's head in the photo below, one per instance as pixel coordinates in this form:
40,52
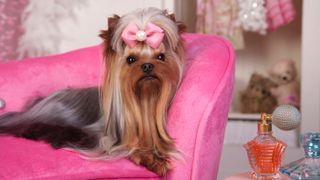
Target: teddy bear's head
283,72
259,86
257,98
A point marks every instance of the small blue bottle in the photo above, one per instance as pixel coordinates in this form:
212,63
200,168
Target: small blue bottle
307,168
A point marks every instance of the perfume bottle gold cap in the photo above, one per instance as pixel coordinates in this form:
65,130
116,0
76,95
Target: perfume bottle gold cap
265,124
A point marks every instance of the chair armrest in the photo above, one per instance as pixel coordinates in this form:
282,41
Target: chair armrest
198,115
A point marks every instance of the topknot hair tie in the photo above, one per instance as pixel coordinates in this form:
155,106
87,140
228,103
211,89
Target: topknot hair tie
151,35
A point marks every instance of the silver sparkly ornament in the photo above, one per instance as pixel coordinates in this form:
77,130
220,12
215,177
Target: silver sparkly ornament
286,117
252,16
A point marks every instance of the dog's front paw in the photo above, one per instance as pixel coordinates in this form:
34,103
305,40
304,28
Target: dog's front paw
160,166
154,163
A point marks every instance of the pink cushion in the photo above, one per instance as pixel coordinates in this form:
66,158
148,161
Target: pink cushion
196,121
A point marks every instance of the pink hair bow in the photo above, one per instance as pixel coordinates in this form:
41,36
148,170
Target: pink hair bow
151,35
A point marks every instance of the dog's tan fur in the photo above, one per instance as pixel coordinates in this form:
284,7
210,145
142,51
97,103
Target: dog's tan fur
139,122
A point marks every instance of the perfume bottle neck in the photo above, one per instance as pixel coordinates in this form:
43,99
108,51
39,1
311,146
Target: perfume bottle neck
312,150
264,132
265,124
311,145
264,128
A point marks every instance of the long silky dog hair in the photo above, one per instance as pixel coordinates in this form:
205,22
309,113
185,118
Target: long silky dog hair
126,116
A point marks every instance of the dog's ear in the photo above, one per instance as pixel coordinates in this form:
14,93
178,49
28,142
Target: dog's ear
172,17
106,35
112,23
181,26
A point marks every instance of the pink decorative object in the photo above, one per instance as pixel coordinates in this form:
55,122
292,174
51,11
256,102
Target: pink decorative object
10,27
219,17
152,35
279,13
196,119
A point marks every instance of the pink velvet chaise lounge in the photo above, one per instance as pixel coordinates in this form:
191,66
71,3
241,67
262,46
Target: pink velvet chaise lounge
197,117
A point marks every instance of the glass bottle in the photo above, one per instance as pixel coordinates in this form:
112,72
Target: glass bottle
265,152
307,168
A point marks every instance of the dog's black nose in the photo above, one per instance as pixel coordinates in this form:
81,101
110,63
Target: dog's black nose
147,67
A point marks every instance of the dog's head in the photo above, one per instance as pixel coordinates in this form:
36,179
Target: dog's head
153,58
144,62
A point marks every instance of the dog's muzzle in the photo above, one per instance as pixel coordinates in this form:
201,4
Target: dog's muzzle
147,67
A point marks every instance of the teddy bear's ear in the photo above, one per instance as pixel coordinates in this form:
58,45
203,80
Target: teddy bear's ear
255,77
291,63
270,72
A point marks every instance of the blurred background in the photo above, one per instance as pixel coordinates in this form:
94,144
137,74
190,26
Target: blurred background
276,43
31,28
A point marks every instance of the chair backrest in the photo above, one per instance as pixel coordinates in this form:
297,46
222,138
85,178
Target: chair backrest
21,81
198,113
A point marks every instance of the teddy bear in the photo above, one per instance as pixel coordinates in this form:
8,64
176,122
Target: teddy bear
257,98
284,74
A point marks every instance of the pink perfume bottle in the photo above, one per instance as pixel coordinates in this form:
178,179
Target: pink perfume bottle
265,152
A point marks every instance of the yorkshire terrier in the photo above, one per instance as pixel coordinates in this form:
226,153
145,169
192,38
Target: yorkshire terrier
126,116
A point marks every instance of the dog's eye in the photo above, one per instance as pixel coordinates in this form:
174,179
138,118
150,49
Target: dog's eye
131,59
161,57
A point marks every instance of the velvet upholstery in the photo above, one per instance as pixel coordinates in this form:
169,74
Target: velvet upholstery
196,120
